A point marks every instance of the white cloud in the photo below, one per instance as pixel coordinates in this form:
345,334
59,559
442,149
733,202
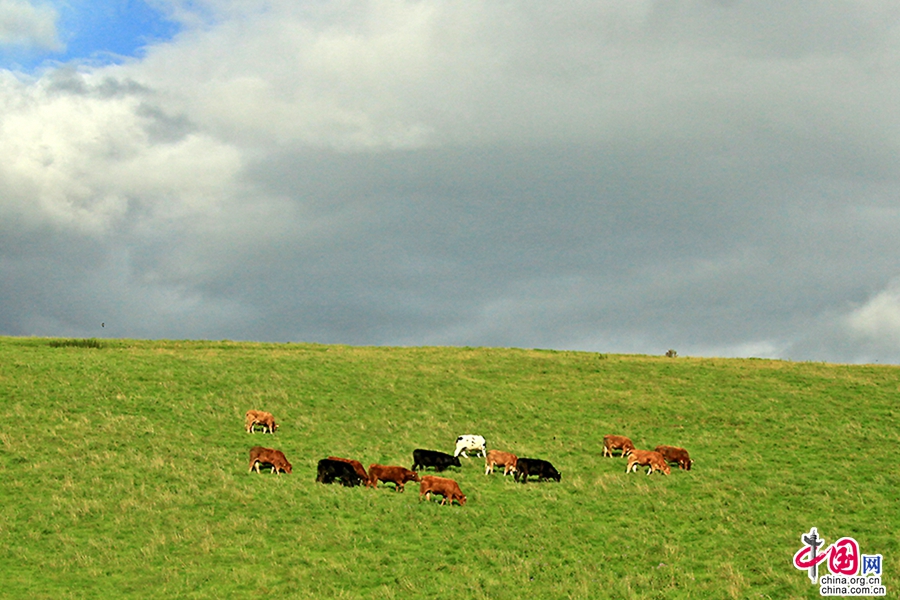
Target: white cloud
27,24
76,155
878,320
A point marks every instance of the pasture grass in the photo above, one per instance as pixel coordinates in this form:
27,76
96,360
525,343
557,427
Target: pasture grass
123,472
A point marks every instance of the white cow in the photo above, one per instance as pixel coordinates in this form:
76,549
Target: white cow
469,442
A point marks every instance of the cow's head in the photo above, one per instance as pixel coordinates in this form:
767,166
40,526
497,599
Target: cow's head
687,464
456,462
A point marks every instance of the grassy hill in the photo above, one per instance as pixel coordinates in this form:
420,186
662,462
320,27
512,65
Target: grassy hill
123,472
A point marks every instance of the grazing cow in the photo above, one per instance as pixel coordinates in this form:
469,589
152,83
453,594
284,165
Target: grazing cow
396,475
268,456
647,458
441,486
537,467
471,443
617,442
502,459
432,458
330,470
676,455
259,417
357,466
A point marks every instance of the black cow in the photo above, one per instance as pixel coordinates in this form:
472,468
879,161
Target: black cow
433,458
329,470
537,467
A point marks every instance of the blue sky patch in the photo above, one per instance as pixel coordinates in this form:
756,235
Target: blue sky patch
102,31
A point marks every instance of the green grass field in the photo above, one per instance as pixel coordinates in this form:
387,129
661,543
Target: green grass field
123,472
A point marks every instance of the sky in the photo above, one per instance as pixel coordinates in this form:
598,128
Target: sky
716,177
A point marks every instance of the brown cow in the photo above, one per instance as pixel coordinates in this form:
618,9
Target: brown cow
268,456
357,466
506,460
617,442
399,476
647,458
676,455
259,417
441,486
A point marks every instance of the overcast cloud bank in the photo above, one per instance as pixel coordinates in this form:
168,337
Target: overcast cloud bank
714,177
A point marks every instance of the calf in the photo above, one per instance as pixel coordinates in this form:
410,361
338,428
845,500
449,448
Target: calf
259,417
537,467
617,442
441,486
676,455
471,443
357,466
268,456
499,458
330,470
432,458
647,458
396,475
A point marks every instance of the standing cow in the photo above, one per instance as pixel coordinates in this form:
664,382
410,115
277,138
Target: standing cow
497,458
674,454
329,471
357,466
647,458
537,467
472,443
268,456
259,417
617,442
432,458
399,476
441,486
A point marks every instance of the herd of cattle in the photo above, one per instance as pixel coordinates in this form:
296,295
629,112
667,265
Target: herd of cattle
351,473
